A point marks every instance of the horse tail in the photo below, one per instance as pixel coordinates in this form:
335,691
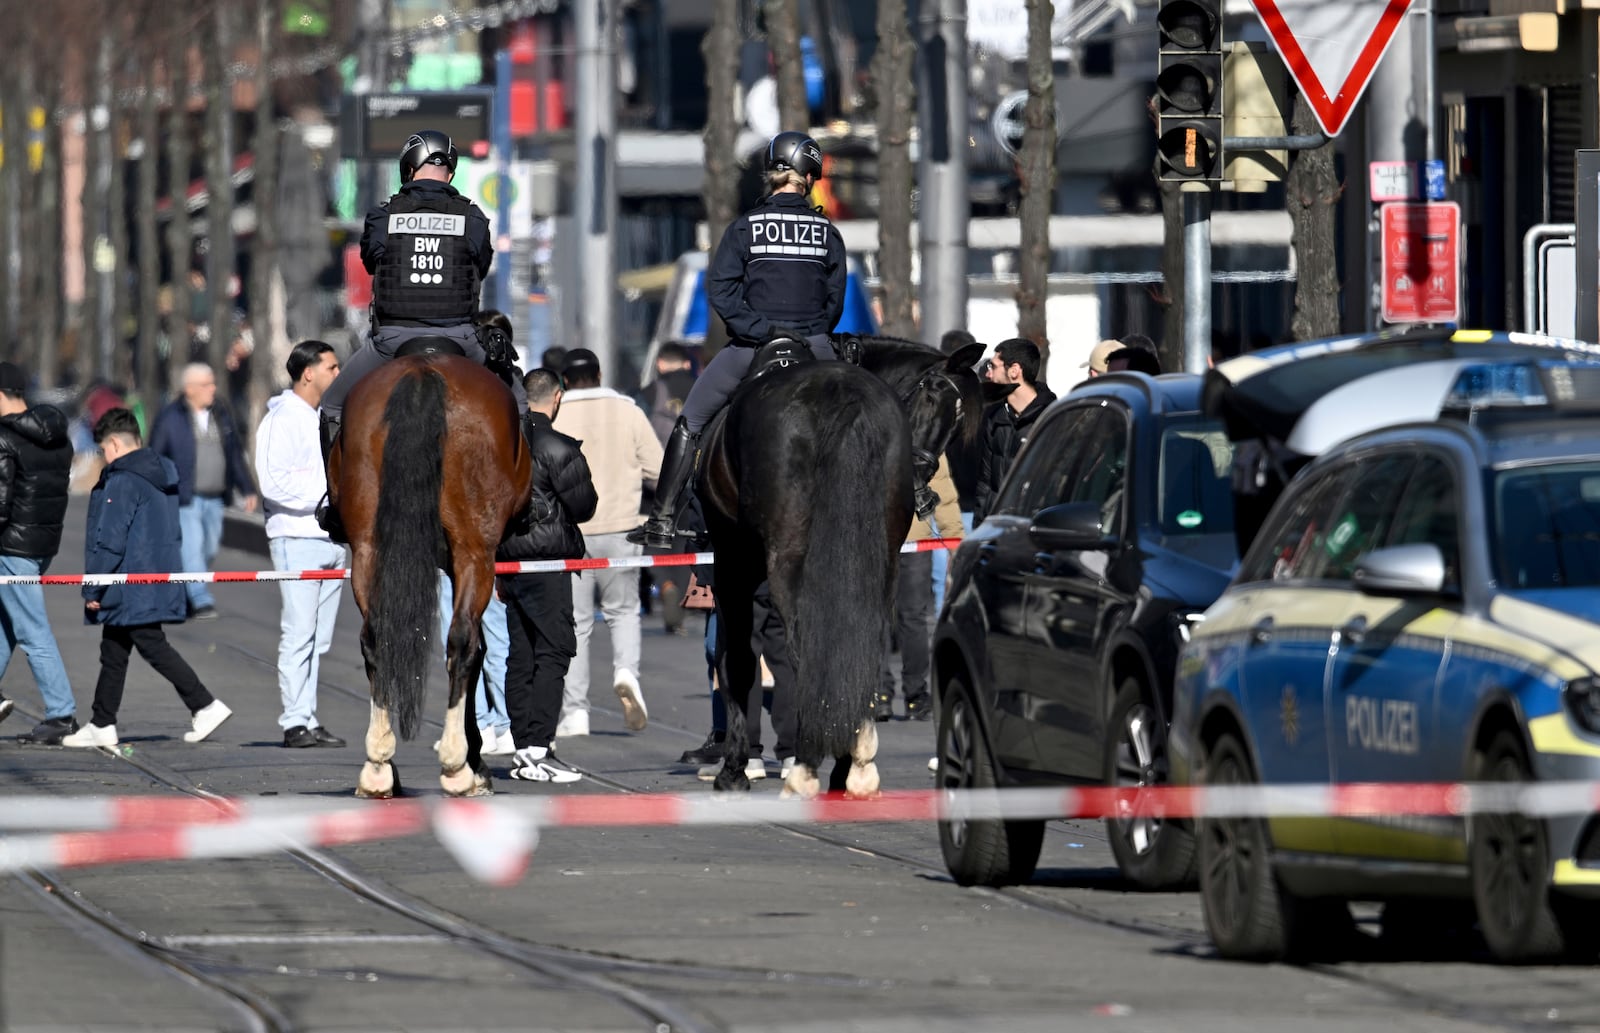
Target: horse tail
405,596
845,584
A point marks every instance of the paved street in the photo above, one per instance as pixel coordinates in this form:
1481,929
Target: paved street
834,928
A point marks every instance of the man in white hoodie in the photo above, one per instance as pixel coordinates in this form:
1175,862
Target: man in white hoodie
293,481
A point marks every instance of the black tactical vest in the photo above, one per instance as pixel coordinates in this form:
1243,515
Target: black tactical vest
427,271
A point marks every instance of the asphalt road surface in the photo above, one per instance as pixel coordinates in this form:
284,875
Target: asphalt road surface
837,928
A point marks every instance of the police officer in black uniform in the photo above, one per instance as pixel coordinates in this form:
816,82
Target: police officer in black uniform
428,251
778,273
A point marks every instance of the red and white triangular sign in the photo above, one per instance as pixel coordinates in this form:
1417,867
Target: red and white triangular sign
1331,47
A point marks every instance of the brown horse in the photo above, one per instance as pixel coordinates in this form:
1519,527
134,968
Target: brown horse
429,469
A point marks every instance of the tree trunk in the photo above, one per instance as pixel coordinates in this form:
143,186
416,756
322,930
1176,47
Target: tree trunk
720,194
1038,179
180,233
147,350
264,365
783,39
1171,289
47,243
1312,193
119,305
14,105
94,338
892,82
219,186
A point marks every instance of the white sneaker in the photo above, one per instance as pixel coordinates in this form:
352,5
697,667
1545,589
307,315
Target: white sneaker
933,765
788,766
634,713
755,769
538,764
575,723
496,744
92,735
206,720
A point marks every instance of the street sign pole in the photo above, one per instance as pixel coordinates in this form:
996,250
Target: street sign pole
502,215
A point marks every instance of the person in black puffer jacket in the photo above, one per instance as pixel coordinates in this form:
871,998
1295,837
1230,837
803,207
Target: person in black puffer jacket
1007,424
35,466
539,620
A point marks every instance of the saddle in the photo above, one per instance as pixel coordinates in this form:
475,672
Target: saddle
779,353
433,345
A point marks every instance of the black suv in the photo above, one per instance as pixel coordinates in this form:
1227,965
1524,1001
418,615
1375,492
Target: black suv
1055,652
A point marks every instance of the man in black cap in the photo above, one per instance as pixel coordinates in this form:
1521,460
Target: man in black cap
35,467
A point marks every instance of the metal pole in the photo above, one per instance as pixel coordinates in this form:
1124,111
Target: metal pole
1196,281
374,68
945,208
594,194
1399,125
502,150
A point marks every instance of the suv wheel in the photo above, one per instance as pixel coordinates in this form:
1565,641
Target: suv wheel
1247,912
1152,852
978,853
1510,858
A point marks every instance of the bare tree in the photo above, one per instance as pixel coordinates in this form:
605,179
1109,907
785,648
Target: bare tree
219,158
264,366
720,191
892,82
783,39
1312,192
47,245
118,284
94,348
147,350
13,179
1038,178
180,156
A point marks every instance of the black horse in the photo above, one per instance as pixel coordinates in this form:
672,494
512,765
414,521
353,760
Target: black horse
807,482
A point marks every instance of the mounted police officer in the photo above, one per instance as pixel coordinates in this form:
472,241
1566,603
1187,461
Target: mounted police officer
428,251
779,273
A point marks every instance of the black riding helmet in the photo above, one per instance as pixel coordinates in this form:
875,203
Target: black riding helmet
795,151
429,147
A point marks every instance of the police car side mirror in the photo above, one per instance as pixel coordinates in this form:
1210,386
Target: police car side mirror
1402,570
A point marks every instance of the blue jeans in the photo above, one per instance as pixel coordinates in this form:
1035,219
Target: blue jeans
489,699
24,623
941,565
305,625
201,524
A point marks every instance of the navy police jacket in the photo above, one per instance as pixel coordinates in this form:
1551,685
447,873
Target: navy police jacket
133,529
428,250
780,264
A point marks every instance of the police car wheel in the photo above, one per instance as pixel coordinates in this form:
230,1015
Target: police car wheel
1510,858
1247,912
978,853
1152,853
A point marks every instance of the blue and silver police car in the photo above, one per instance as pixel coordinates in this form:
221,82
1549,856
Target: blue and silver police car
1422,604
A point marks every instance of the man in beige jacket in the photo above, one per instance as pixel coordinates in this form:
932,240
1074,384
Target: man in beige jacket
912,626
623,454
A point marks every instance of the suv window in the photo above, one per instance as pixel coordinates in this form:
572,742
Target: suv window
1196,478
1547,523
1430,512
1289,542
1045,466
1364,516
1100,476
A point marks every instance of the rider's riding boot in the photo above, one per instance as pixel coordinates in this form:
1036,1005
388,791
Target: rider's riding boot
328,515
661,530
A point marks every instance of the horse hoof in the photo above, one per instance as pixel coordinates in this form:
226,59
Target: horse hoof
802,784
862,782
463,781
377,782
731,782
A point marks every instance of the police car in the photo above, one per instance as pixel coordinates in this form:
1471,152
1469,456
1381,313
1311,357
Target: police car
1421,605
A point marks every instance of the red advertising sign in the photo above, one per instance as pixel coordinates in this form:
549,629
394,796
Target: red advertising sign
1421,262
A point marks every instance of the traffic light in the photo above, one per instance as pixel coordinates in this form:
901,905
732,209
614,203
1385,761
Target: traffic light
1189,91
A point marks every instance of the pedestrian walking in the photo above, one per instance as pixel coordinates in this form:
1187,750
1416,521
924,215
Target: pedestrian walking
539,620
289,464
912,626
133,529
662,400
623,454
35,469
199,436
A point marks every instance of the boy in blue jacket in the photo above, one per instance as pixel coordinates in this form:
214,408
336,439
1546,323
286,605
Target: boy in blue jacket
133,529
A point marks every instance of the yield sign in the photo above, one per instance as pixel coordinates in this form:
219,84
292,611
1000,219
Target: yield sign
1331,47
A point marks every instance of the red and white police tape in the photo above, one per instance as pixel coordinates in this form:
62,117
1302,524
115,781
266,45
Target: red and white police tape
493,839
681,559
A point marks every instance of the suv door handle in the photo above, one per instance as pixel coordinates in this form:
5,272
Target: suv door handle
985,554
1261,631
1354,631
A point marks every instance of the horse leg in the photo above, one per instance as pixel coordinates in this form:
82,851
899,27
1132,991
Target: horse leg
464,662
379,780
736,660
